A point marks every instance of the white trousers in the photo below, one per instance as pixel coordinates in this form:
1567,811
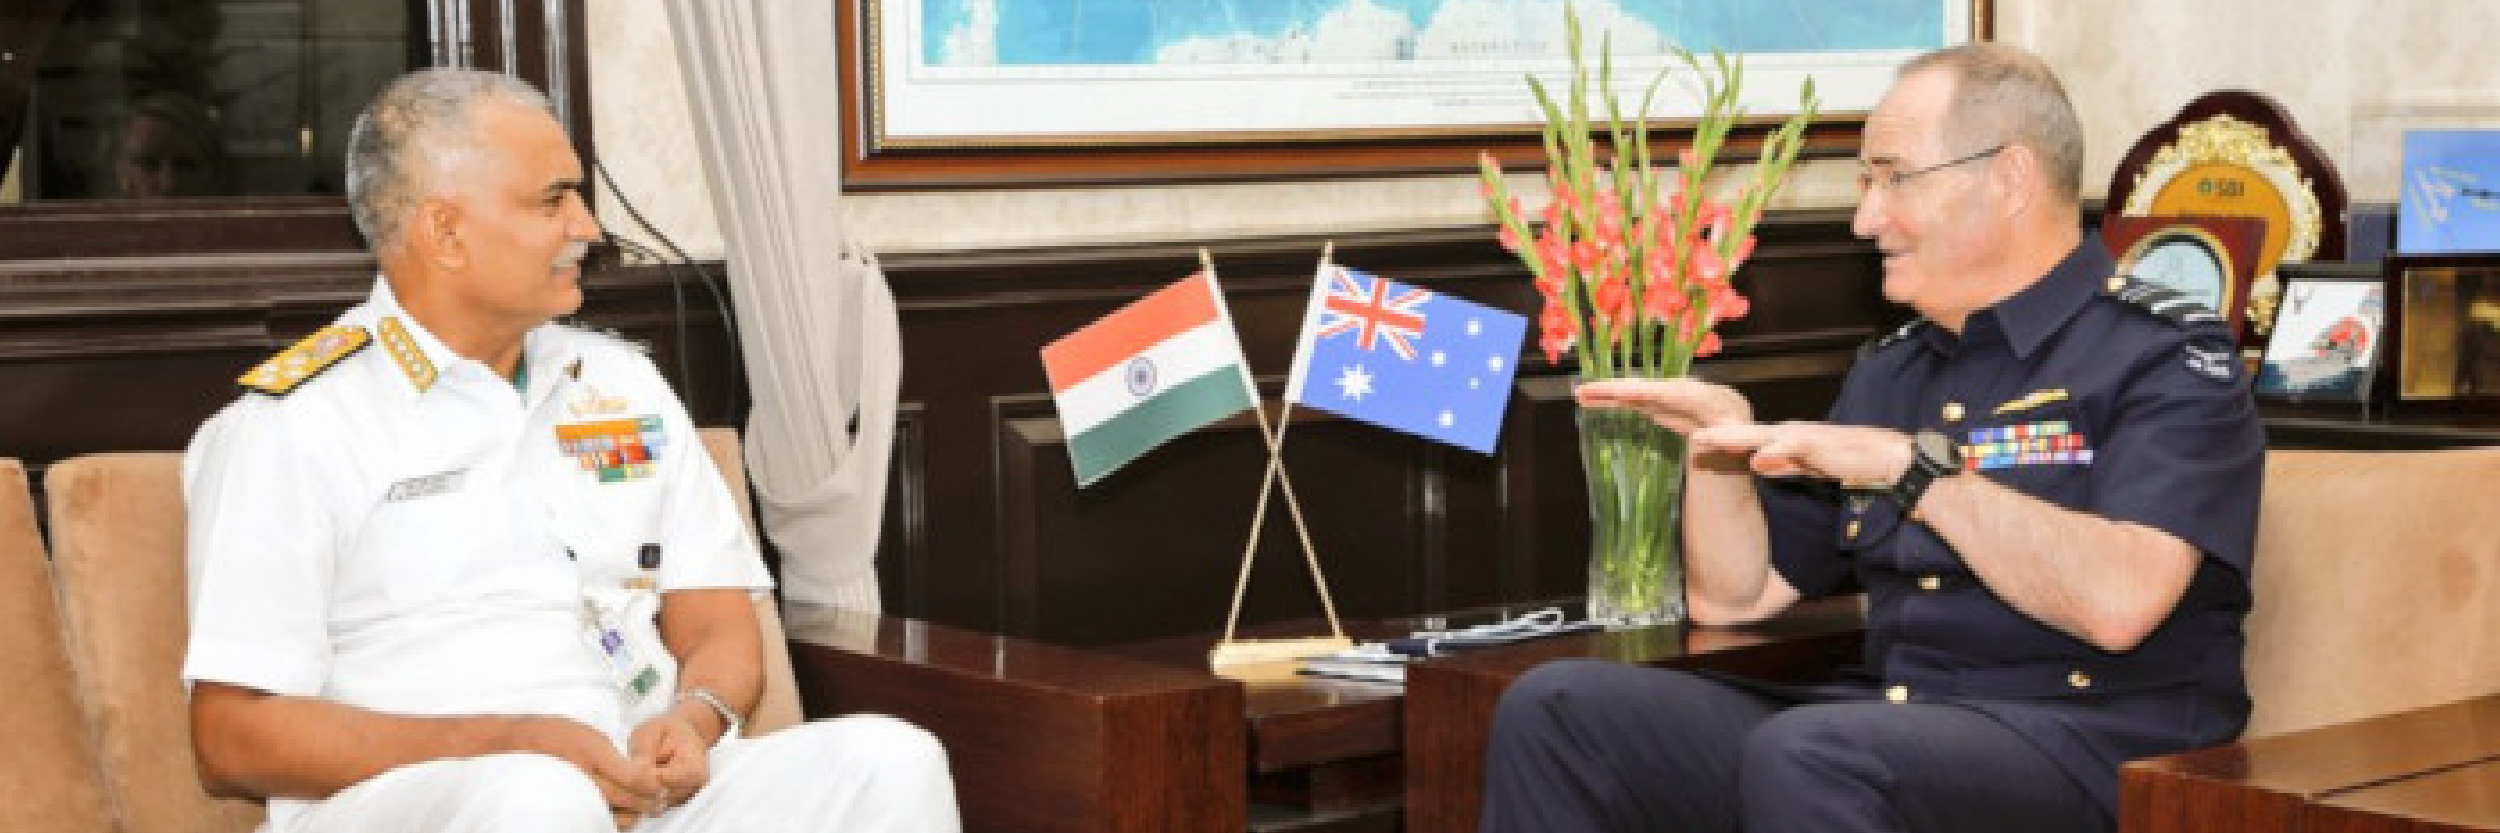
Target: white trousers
866,773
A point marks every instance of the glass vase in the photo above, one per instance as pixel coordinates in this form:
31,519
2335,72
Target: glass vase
1635,470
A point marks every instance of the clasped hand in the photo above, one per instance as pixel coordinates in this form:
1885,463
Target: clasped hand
666,760
1719,423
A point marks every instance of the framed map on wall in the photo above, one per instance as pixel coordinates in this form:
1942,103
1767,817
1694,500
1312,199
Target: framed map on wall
969,77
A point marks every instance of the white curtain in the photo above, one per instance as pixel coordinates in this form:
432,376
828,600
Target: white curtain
816,318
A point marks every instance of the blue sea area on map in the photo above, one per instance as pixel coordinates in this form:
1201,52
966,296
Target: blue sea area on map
1127,32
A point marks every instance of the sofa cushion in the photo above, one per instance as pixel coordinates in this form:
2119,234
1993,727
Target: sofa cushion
117,540
48,770
2377,584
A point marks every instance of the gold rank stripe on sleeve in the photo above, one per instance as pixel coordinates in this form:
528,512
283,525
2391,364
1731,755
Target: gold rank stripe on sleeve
291,367
404,352
2032,400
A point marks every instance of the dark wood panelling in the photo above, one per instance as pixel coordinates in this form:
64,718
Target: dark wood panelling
1403,526
985,526
131,354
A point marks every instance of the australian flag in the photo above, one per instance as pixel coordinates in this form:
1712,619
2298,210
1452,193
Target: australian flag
1406,358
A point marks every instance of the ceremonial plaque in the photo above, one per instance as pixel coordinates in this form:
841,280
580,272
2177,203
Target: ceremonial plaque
2236,153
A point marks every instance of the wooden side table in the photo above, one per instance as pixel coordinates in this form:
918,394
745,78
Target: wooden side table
2367,775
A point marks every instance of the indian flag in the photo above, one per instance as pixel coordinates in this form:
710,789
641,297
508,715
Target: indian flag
1160,367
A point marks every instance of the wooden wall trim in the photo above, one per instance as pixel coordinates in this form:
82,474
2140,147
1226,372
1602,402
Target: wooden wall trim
131,353
985,527
1002,539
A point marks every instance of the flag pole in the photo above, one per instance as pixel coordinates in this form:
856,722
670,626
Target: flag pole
1229,651
1293,505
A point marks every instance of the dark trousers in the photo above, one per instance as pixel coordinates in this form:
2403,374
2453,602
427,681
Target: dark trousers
1587,745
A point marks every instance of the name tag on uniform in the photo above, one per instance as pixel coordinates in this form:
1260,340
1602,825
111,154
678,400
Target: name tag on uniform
427,485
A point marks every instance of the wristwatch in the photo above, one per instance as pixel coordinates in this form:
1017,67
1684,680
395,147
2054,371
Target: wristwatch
1932,455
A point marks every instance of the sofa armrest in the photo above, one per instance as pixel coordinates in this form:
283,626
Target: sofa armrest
2280,782
1038,737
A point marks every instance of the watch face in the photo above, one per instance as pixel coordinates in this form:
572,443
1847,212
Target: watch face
1938,448
2187,264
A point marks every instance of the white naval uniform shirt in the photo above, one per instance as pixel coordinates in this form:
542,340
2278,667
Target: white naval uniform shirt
405,549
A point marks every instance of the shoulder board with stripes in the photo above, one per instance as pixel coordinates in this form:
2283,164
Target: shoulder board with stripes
1889,339
2161,300
295,365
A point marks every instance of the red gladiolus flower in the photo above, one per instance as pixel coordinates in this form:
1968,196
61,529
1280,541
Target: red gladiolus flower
1727,305
1554,332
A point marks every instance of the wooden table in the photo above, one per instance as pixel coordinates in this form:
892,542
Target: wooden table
1141,737
1449,701
2434,769
1040,738
1128,738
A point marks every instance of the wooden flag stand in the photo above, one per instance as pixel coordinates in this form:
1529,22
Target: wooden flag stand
1269,659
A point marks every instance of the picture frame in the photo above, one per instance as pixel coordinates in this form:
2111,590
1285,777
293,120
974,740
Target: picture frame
2450,203
2328,335
2443,327
2212,259
955,93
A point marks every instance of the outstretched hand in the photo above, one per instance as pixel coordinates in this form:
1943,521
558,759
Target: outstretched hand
1682,404
1854,455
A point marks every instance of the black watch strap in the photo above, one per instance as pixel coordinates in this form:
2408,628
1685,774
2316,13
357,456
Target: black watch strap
1932,455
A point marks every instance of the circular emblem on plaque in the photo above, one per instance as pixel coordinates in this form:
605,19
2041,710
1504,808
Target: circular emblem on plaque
1140,376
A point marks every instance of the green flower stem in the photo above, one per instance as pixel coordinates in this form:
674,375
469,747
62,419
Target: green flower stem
1635,474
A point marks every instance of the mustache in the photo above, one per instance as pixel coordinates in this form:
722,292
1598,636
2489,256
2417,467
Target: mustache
573,254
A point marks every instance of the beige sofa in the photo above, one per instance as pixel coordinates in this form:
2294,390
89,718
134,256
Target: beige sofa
110,747
2373,657
48,775
2378,585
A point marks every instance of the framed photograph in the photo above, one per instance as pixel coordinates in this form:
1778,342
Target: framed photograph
2451,198
2444,325
1000,92
2212,259
2327,333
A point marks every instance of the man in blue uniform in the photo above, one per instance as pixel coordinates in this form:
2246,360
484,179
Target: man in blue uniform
2047,485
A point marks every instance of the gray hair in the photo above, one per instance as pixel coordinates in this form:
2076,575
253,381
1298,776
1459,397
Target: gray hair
2005,95
418,129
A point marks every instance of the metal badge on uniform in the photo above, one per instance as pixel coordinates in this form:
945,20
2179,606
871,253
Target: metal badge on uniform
426,485
591,403
2027,444
616,450
2032,400
2210,362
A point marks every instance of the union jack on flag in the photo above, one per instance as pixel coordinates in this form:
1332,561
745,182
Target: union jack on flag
1371,313
1449,381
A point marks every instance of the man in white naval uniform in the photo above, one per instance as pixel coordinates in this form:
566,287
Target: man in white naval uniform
454,567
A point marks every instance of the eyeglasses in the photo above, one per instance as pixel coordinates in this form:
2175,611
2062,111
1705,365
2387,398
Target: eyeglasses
1892,180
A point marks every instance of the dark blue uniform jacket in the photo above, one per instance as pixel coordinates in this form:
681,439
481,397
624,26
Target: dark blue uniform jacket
2123,407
